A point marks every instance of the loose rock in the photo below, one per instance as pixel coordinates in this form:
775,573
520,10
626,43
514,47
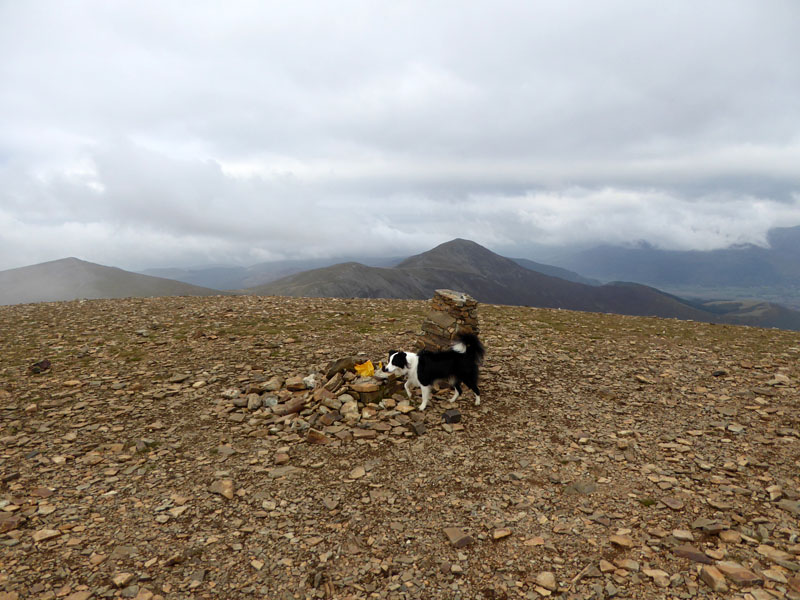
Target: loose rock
223,487
457,537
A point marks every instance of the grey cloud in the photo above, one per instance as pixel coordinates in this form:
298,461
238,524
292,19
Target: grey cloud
159,132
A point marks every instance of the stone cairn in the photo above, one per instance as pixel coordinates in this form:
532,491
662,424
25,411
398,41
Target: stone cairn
337,405
452,313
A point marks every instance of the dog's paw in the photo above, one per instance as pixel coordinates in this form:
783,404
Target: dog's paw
477,400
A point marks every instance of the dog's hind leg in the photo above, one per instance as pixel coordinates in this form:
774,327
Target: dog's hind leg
426,395
457,392
473,385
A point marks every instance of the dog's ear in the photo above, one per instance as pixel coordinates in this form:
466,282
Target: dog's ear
391,352
399,360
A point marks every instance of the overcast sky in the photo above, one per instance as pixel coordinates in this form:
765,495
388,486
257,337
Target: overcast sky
167,133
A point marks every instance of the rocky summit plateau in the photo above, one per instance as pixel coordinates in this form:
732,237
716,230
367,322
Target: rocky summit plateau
227,447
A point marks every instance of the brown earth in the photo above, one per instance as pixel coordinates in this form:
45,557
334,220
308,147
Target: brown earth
612,457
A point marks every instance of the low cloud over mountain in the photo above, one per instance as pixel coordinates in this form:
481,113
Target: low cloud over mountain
71,279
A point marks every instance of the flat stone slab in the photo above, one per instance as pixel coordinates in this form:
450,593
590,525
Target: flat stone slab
457,537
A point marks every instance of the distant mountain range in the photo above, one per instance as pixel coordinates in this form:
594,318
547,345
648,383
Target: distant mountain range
466,266
71,279
222,277
458,264
744,271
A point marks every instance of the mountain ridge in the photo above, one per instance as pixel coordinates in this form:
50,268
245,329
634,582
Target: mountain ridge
233,277
491,278
744,270
458,264
72,279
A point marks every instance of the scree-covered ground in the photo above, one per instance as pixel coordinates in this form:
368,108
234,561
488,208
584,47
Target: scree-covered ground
177,448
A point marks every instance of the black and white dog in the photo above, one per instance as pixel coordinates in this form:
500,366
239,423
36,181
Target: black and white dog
456,366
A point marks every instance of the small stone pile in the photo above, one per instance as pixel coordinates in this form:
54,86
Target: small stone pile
334,406
452,313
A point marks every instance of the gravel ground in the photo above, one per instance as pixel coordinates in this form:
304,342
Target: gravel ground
170,448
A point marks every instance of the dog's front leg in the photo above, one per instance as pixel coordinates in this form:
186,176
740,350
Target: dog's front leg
426,395
408,389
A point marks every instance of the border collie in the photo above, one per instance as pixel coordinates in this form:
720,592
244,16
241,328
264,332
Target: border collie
456,366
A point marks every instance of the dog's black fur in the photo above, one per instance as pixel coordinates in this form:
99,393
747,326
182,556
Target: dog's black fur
457,365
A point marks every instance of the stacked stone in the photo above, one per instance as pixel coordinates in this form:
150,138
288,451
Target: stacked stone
452,313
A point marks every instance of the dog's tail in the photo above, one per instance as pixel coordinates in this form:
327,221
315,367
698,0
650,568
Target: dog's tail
469,344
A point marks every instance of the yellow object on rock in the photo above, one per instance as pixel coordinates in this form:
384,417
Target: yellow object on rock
365,369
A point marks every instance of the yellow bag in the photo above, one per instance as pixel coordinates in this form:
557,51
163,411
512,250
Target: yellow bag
365,369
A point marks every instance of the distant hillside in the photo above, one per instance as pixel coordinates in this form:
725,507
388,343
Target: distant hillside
490,278
71,279
237,278
555,271
214,277
346,280
754,312
745,270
